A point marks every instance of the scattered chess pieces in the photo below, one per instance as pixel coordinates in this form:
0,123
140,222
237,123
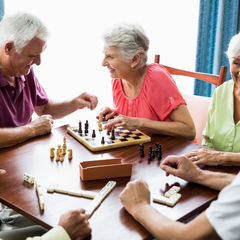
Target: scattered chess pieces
60,152
70,156
52,154
93,134
103,141
79,127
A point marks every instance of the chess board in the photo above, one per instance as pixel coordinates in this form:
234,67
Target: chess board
123,137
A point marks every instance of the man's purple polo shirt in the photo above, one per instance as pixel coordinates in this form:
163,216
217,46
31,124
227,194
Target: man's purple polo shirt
18,104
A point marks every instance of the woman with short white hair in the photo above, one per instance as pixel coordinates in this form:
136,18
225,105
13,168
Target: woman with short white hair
145,96
222,132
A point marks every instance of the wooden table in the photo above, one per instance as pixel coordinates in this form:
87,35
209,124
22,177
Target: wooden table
110,220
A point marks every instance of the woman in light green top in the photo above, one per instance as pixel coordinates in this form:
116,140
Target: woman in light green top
222,132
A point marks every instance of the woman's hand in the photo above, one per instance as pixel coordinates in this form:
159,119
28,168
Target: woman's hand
129,123
204,156
106,113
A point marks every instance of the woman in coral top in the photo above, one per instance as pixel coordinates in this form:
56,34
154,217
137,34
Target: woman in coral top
145,96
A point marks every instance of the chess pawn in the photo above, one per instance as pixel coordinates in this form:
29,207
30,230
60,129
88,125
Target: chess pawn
52,154
57,157
70,154
61,157
100,127
59,149
64,143
64,151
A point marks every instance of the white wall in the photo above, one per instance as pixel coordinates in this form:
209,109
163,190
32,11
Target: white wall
71,63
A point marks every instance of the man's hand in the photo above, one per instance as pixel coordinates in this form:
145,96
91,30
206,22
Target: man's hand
182,167
135,195
41,126
86,100
76,224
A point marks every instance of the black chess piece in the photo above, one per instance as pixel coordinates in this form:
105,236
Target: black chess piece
113,134
93,134
102,142
80,127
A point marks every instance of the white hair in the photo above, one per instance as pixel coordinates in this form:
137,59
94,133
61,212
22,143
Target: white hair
129,39
20,28
234,47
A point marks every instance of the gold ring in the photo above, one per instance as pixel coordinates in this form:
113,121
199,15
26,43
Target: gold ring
196,158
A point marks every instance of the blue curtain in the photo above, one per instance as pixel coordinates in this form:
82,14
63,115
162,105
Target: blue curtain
219,21
1,9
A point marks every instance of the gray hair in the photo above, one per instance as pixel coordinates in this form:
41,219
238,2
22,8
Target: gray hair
129,39
234,47
20,28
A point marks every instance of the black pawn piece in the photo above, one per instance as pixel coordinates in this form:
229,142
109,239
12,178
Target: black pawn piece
141,153
152,154
102,142
113,134
93,134
80,127
156,148
159,156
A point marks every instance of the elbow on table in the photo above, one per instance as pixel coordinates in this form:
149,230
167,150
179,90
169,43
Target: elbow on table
191,135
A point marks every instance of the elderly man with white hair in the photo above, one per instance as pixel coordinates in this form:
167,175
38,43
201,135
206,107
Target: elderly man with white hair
23,38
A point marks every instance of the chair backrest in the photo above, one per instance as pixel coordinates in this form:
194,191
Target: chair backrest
197,105
211,78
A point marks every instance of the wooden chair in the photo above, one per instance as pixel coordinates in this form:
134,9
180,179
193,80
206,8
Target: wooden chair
211,78
197,105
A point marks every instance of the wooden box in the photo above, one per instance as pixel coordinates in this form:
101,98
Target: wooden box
106,168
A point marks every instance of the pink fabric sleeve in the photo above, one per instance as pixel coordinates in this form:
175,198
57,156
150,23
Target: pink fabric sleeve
161,90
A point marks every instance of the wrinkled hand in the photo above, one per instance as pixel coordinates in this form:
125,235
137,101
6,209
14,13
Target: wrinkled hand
42,125
181,166
86,100
76,224
106,113
135,195
129,123
204,156
2,171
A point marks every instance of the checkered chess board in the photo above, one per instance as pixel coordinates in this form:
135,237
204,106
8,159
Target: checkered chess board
123,137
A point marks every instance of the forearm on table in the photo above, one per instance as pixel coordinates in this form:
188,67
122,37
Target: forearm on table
163,228
12,136
59,109
229,158
175,129
214,180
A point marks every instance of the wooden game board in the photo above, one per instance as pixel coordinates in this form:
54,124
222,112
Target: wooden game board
123,137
